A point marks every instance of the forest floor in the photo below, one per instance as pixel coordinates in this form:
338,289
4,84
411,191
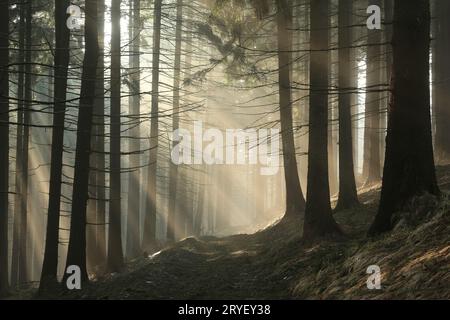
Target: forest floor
275,264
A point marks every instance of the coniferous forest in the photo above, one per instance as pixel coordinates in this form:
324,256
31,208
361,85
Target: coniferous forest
224,149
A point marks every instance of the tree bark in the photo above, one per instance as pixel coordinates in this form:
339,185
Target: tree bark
76,254
388,12
4,146
348,196
319,221
441,81
115,253
172,222
133,225
409,167
61,64
23,275
19,148
99,110
371,166
149,237
295,201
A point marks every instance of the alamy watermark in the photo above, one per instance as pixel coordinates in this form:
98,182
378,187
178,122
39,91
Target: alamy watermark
228,147
73,281
374,20
374,280
74,20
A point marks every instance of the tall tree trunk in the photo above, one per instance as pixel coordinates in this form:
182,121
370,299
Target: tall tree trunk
441,81
99,110
348,196
388,16
19,149
133,225
318,216
61,64
172,221
295,202
150,201
200,210
4,147
76,254
332,136
388,12
190,197
23,229
91,218
115,254
210,204
409,166
372,170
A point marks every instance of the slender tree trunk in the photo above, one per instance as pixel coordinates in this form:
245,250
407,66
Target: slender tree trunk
183,204
295,202
4,147
76,254
348,196
172,221
23,229
19,150
210,203
115,254
200,210
332,141
190,197
388,12
91,218
61,64
319,221
149,237
133,225
409,166
441,81
372,167
99,110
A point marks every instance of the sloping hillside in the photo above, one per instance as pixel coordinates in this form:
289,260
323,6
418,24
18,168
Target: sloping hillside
275,264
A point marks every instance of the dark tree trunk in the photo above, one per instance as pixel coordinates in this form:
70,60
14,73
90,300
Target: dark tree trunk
115,254
387,30
149,237
388,16
348,196
91,218
4,146
23,227
133,225
295,202
76,254
319,221
371,166
441,81
61,64
409,166
19,149
172,222
99,110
